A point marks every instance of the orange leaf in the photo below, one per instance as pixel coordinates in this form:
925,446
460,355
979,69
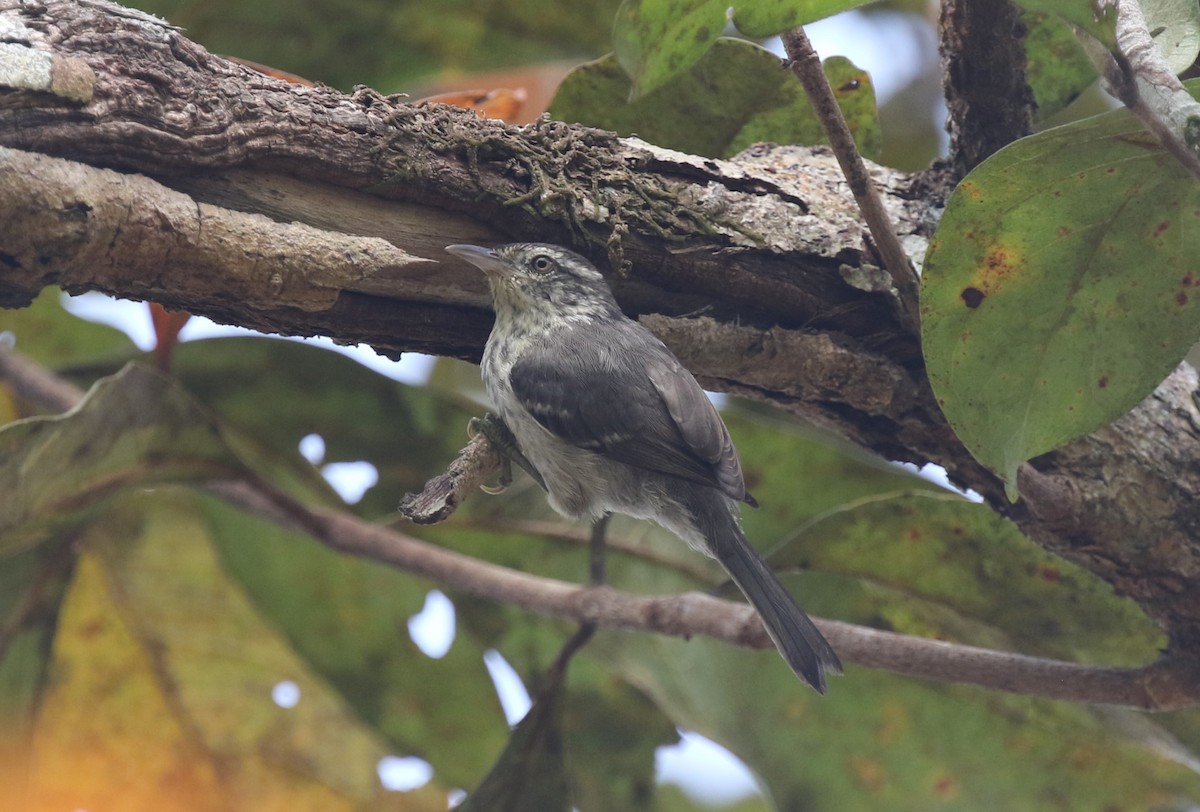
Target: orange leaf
501,103
274,73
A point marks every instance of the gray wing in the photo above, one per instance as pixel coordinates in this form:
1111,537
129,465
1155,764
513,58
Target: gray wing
620,392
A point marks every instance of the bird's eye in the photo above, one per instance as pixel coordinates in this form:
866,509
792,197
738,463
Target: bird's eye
542,264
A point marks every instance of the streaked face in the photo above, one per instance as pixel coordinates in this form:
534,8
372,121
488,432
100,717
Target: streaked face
529,278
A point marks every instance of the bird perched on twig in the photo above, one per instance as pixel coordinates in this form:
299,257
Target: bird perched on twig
614,423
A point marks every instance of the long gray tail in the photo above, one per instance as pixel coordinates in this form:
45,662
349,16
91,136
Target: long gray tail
799,641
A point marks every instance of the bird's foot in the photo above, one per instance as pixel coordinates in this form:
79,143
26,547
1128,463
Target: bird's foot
499,435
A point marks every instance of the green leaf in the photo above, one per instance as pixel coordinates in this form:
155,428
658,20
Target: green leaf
612,732
132,428
735,96
1175,27
1079,13
50,335
656,40
32,583
765,18
276,392
982,580
530,772
900,743
796,123
1060,288
589,746
390,45
672,798
1057,68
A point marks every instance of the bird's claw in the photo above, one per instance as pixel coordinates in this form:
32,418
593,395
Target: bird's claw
499,435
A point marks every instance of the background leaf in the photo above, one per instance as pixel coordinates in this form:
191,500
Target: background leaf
735,96
347,619
391,44
970,576
132,428
656,40
49,335
1080,13
359,414
898,743
765,18
158,701
32,583
1057,69
1175,27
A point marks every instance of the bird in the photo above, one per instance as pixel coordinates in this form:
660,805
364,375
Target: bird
614,423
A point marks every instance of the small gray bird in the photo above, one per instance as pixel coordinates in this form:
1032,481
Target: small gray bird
614,423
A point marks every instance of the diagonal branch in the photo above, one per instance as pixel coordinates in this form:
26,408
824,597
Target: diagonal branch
806,65
1164,685
1168,684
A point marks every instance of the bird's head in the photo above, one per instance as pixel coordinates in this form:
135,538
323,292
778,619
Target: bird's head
537,279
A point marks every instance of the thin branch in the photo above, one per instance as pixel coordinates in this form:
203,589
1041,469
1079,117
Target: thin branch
1138,74
1165,685
1169,684
35,384
806,65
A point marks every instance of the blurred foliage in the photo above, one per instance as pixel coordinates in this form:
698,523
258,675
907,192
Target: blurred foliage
1057,69
390,44
168,617
1082,14
160,690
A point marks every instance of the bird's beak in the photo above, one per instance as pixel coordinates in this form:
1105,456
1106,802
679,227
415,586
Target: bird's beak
485,259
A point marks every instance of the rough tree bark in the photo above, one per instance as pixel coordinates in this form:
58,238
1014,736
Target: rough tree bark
983,58
143,166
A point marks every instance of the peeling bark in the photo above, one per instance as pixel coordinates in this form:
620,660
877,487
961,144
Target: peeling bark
116,189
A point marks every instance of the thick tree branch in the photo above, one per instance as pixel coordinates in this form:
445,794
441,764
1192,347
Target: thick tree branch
762,246
695,230
1165,685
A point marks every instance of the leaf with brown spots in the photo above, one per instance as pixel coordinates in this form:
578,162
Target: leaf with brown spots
1057,293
